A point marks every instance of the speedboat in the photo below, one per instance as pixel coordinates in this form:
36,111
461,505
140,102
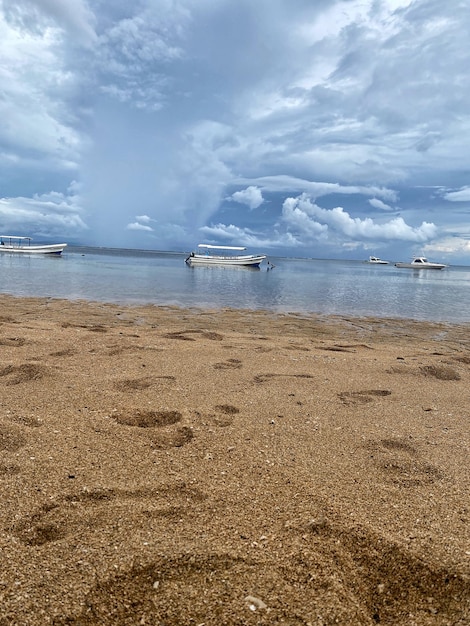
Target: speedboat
421,263
207,258
12,243
374,260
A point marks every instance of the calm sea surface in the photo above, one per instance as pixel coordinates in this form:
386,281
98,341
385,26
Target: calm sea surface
349,288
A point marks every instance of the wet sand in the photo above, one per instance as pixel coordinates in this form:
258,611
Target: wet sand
164,466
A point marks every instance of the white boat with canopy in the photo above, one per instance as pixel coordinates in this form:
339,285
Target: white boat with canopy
209,258
22,245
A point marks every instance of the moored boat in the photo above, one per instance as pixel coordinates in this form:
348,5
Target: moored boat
22,245
375,260
206,258
421,263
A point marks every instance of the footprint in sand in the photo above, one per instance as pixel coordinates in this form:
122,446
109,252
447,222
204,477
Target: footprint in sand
225,416
462,359
147,419
166,436
228,409
116,350
12,341
396,445
362,397
399,463
205,589
229,364
65,352
382,577
86,511
95,328
16,374
441,372
262,378
184,335
135,384
410,473
352,576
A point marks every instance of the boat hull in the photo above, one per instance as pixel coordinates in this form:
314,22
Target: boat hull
421,266
46,249
238,260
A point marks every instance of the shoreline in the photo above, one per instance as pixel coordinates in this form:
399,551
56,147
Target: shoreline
187,466
268,313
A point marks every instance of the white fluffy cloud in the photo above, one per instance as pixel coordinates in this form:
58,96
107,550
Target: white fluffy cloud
52,212
301,213
251,196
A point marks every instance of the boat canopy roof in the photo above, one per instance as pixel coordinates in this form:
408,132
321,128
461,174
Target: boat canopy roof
208,245
13,237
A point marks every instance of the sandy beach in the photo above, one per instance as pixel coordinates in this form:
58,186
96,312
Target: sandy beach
163,466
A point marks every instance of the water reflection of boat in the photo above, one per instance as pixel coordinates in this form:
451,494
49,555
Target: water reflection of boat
22,245
240,260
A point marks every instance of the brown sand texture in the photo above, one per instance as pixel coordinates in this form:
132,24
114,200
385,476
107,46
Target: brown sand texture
163,466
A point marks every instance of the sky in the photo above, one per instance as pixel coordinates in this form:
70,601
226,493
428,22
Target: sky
305,128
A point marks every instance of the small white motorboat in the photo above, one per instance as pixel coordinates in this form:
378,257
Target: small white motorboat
22,245
206,258
374,260
421,263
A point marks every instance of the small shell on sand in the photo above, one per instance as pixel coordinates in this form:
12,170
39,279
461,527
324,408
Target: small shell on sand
255,604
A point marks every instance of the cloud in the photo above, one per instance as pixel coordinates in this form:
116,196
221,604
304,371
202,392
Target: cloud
40,135
378,204
139,226
461,195
251,196
142,223
448,246
317,189
235,235
136,52
75,16
300,222
46,214
302,214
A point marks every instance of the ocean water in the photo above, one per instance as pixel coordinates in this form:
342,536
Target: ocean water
351,288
